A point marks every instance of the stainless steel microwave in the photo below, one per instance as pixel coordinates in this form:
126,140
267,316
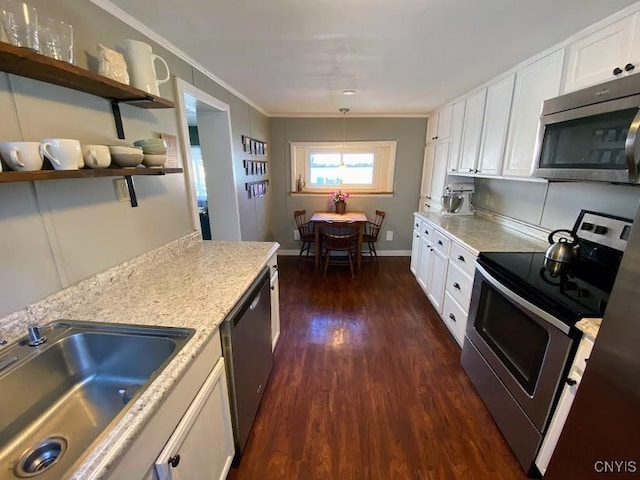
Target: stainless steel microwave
591,134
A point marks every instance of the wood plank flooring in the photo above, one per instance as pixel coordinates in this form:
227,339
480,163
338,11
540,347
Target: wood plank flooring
367,384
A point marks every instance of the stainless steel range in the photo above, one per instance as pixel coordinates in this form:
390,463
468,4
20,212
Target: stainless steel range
521,334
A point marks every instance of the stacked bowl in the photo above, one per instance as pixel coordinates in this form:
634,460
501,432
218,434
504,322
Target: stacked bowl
154,150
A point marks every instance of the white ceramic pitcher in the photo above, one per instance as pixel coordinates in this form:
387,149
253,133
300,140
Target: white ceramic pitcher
141,64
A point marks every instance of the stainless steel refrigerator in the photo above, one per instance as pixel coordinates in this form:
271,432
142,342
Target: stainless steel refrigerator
601,438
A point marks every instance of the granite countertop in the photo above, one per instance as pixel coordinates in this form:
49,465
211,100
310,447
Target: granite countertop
189,283
589,327
479,234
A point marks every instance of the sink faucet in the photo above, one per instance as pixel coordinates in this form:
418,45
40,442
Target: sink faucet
35,338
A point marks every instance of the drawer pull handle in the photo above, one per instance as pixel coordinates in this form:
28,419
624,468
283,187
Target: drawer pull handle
426,231
571,382
461,258
174,461
439,242
275,267
456,285
452,317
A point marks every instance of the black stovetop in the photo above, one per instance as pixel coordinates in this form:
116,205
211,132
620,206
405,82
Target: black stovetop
583,292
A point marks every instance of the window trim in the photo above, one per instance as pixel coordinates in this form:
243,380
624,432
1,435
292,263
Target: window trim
384,165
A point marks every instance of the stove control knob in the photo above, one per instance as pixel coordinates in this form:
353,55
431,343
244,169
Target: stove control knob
600,230
587,226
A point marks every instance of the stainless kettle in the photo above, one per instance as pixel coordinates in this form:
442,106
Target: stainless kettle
564,250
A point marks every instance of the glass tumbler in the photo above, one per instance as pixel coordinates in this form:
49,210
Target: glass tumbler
20,22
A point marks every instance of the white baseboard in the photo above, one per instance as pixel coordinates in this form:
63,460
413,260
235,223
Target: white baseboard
381,253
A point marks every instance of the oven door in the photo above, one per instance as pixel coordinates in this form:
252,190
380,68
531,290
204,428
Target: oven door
594,143
526,348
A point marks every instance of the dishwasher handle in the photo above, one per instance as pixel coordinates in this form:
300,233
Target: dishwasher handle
255,302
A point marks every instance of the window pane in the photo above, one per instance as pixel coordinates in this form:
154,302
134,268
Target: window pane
359,168
325,168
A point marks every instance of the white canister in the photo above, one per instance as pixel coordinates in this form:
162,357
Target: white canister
141,65
64,154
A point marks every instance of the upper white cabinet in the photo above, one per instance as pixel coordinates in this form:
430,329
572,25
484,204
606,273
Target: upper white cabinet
494,129
434,172
604,55
439,124
427,175
472,131
534,84
457,122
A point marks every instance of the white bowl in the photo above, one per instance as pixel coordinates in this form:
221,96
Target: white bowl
126,160
154,161
124,150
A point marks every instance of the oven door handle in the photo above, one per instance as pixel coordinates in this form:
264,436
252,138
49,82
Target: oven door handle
530,307
631,145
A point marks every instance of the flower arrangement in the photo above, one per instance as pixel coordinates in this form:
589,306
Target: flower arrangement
339,196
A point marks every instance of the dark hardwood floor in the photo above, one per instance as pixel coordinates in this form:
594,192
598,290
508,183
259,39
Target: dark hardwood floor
367,384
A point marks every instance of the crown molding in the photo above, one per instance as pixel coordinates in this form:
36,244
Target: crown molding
134,23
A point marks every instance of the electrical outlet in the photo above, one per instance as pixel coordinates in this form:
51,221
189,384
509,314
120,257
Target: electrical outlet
389,235
296,235
122,191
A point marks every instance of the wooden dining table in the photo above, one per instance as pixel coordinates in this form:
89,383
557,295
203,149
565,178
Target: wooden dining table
320,219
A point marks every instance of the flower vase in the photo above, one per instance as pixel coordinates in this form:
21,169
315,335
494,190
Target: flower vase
341,207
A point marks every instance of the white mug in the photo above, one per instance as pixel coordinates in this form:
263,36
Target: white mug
142,71
22,156
96,156
64,154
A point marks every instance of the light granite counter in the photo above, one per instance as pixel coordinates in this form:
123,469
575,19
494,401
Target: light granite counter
188,283
479,234
589,327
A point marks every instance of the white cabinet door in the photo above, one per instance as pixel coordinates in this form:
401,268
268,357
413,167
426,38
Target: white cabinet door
202,444
275,310
415,252
427,175
437,279
444,123
426,252
439,173
594,58
534,84
456,135
472,131
432,127
494,129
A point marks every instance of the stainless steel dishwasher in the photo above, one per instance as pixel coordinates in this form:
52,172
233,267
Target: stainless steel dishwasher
246,346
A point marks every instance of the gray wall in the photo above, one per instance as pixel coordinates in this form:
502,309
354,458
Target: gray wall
410,134
56,233
557,204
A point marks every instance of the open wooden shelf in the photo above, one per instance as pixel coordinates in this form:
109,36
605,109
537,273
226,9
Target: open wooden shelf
27,63
6,177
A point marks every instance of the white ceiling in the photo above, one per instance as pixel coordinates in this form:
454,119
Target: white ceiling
402,57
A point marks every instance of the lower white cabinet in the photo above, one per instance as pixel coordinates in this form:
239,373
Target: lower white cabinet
444,270
275,301
202,444
436,282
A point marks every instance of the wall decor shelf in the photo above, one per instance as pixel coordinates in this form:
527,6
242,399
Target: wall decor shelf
27,63
256,189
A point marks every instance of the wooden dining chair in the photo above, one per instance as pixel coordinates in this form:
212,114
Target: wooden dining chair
305,229
371,231
339,237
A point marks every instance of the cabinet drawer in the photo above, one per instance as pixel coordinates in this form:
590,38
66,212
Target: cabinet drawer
441,242
454,317
463,258
459,286
427,231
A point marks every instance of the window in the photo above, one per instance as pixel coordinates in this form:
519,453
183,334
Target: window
360,167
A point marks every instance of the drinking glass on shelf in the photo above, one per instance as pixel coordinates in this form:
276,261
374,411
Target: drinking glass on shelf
20,22
50,39
65,34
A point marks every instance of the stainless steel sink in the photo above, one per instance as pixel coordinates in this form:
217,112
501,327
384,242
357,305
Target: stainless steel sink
59,398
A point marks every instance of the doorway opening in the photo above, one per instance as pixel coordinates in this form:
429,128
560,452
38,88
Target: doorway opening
208,162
